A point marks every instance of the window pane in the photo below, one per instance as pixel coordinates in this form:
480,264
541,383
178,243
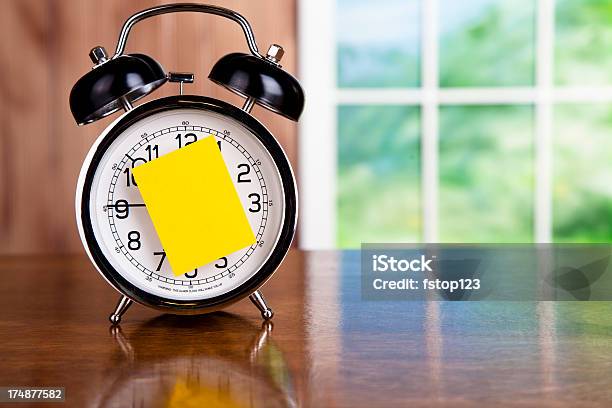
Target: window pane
582,189
378,44
378,175
583,42
487,42
486,174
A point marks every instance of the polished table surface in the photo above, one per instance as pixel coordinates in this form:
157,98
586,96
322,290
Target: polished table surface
326,346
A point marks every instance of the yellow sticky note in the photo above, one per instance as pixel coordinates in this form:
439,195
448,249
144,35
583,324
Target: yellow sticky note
194,205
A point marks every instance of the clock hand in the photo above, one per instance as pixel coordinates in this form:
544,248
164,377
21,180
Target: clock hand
125,204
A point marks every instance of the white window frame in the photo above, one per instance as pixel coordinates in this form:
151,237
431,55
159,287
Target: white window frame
318,126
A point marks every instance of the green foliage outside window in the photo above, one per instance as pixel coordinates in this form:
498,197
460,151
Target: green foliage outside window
486,153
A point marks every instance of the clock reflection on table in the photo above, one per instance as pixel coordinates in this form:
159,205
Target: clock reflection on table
172,361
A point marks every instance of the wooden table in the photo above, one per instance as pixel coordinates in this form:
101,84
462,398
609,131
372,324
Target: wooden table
327,347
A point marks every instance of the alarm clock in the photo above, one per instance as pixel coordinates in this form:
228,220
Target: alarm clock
114,225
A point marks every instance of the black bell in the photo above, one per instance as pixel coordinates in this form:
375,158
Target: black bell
112,84
261,79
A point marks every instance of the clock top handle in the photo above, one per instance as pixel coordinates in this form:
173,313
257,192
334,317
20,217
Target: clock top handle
187,7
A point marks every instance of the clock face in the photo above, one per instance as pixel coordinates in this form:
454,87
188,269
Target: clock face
121,226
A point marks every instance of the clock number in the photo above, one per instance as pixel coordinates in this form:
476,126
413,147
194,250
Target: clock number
161,261
189,138
122,209
193,275
255,201
224,265
153,151
129,177
134,240
193,138
244,173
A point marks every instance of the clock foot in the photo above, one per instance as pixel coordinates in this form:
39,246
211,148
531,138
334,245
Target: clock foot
123,305
259,301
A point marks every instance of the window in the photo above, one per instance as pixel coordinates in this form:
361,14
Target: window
446,121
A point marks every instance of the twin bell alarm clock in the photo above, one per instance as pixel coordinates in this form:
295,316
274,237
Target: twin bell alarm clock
186,204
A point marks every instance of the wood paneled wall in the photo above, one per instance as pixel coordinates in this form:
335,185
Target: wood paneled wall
44,50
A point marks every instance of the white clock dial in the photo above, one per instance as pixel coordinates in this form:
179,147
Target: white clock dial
122,227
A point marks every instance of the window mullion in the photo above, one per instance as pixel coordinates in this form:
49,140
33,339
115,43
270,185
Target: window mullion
317,127
429,119
544,120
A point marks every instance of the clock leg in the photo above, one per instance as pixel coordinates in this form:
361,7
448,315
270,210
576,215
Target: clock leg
259,301
123,305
